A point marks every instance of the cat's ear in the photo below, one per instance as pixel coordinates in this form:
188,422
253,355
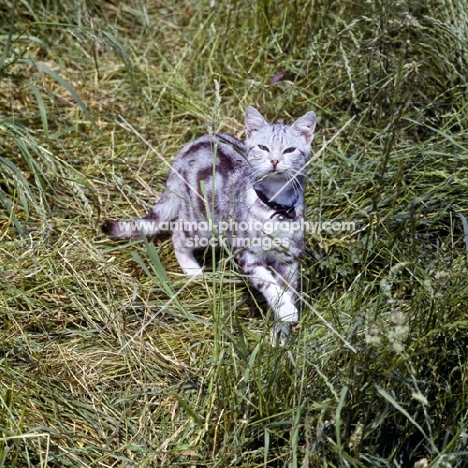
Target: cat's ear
253,121
306,126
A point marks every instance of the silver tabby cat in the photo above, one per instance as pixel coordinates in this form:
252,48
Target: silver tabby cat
246,195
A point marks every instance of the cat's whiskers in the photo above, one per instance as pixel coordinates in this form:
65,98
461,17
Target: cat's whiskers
297,187
312,181
254,179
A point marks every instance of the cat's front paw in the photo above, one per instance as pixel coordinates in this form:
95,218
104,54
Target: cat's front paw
287,312
280,333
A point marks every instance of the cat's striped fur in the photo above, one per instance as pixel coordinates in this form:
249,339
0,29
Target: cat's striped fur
239,188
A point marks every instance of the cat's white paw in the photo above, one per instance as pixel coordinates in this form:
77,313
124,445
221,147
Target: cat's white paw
187,263
193,271
287,312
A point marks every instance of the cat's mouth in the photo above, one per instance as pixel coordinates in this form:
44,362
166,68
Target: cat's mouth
278,175
277,171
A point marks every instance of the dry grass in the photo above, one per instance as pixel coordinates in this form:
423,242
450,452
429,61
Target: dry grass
99,370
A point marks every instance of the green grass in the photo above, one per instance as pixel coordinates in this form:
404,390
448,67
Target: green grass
98,369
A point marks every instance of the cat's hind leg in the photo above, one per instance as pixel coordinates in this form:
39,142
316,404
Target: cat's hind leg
183,248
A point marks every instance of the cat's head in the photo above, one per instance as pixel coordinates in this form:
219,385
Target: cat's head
278,150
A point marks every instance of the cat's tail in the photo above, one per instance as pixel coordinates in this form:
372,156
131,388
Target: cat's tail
152,224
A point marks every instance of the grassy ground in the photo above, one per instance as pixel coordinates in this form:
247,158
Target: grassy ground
98,369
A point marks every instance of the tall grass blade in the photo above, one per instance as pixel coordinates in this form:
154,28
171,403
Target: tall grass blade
6,50
465,230
42,109
41,67
397,406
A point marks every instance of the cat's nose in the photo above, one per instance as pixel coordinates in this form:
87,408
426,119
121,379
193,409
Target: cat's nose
274,162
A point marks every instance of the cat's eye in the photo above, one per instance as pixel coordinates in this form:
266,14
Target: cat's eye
264,148
289,150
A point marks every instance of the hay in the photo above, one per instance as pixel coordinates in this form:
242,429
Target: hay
98,370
